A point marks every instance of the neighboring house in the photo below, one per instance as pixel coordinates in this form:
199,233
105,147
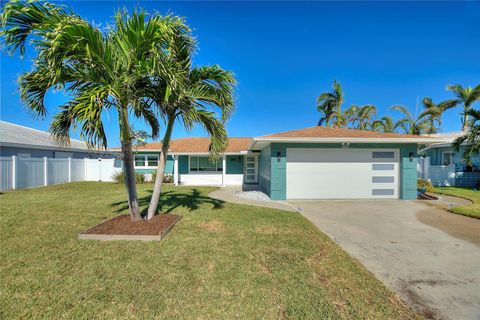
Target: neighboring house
445,166
311,163
25,142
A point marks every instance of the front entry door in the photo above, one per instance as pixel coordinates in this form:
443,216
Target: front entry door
251,169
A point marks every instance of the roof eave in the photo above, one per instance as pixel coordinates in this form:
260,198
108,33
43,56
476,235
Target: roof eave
422,140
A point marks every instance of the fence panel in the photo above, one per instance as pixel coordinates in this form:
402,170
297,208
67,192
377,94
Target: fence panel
78,170
30,173
442,175
108,167
57,171
6,177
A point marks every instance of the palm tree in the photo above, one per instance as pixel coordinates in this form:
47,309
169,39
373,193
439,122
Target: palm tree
385,124
471,139
435,112
190,95
100,71
362,116
414,125
330,104
466,96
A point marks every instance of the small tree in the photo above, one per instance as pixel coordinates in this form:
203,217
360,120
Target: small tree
99,70
190,95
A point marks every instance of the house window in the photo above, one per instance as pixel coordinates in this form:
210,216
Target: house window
139,161
204,164
447,158
146,161
152,161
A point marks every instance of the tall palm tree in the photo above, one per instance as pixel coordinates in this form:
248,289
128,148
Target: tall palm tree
189,95
99,70
471,139
435,112
467,97
330,105
414,125
385,124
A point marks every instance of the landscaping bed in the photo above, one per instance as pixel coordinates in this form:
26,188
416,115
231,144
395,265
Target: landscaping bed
122,228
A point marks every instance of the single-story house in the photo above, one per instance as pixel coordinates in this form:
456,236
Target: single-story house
446,166
25,142
312,163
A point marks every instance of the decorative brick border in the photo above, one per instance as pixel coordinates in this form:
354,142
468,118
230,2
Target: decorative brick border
129,237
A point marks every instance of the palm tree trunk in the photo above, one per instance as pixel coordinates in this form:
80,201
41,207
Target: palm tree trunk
157,189
130,183
465,120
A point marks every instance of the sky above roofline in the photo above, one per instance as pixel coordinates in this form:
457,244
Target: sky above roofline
285,54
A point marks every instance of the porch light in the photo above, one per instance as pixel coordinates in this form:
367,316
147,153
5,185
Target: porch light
279,156
410,156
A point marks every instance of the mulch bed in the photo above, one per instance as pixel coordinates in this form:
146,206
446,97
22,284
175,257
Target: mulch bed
425,196
122,228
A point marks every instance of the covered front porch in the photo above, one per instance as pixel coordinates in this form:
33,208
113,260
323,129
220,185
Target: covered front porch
231,169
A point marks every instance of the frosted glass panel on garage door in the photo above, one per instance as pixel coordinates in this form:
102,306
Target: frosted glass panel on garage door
341,173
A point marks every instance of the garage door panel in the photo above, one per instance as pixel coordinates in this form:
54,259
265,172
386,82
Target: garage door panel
341,174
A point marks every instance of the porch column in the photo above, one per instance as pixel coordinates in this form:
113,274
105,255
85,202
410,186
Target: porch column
224,170
175,170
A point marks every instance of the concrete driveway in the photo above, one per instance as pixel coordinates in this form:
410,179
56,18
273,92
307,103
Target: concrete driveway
431,258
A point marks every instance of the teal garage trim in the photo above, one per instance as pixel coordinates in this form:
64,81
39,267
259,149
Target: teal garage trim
407,165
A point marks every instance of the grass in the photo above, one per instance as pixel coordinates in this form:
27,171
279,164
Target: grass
472,210
222,261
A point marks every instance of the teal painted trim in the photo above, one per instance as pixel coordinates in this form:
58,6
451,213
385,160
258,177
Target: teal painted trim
234,164
408,170
147,152
264,170
169,165
182,164
145,171
278,161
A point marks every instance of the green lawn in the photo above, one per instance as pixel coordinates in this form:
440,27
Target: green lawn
222,261
472,210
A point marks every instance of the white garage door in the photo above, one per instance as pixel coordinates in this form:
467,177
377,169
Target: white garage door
342,173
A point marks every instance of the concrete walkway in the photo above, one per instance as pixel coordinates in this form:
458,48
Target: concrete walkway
430,257
228,194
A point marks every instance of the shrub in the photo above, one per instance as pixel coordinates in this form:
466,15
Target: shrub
119,177
139,178
424,184
167,178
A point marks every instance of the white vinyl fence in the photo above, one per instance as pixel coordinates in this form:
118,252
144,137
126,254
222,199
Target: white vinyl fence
21,173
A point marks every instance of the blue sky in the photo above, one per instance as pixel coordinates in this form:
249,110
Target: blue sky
285,54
